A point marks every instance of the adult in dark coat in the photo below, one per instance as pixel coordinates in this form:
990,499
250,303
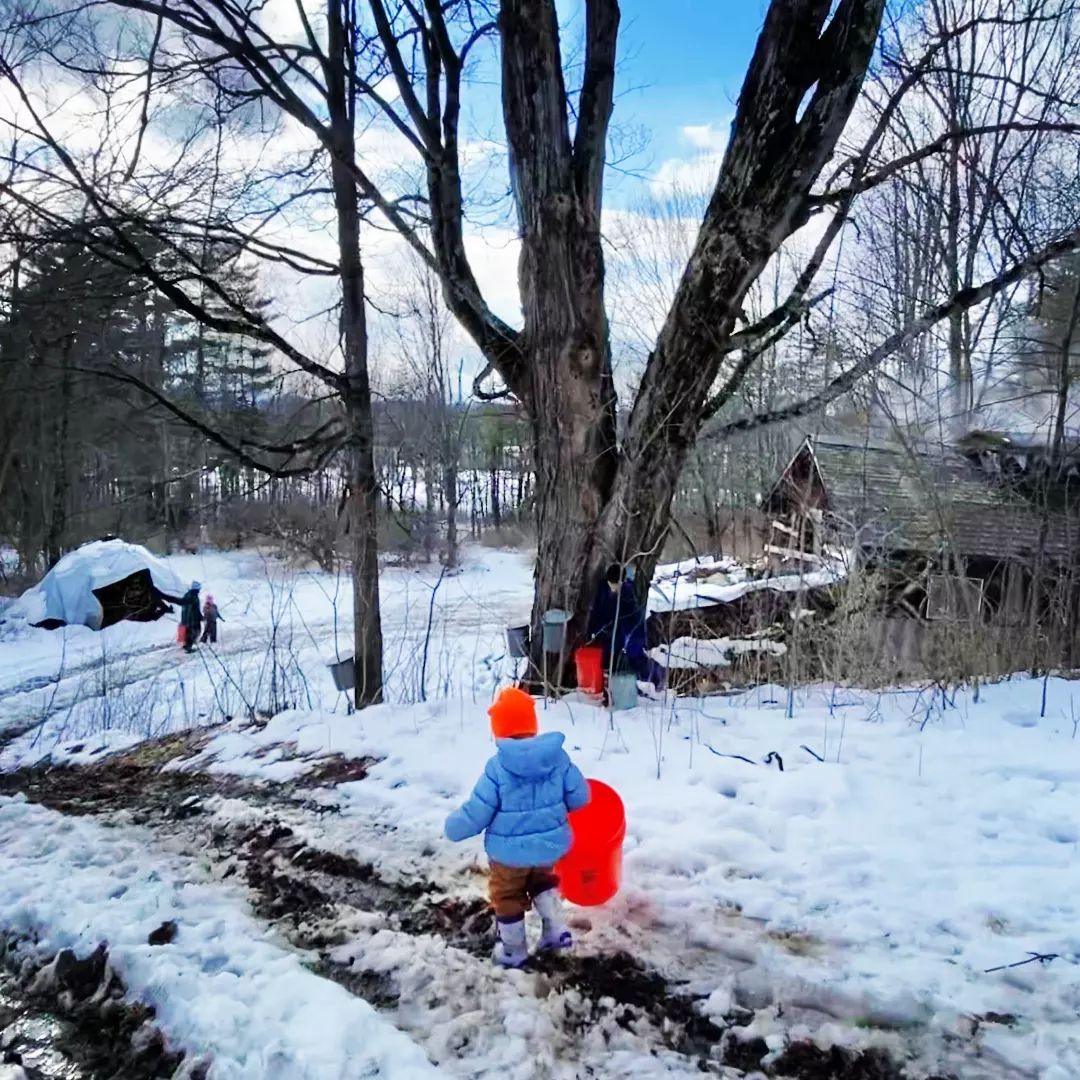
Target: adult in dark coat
617,624
191,616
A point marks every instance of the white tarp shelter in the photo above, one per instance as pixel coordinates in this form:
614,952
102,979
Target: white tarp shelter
66,593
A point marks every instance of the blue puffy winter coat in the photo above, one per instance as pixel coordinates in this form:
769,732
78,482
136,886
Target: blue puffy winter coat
522,801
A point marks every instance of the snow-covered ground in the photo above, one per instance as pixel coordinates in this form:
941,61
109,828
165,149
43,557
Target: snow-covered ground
444,636
871,890
221,985
857,868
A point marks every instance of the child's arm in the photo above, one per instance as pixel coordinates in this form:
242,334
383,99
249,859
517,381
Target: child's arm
575,789
476,815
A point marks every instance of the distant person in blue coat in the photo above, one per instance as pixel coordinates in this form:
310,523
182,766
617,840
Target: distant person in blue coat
521,804
617,624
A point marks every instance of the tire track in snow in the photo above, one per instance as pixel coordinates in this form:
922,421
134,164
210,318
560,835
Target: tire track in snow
135,675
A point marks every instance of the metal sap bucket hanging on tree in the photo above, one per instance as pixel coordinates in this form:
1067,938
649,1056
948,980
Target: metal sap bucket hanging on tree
554,622
343,673
624,691
517,641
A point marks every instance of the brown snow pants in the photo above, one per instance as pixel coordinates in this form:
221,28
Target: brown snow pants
513,888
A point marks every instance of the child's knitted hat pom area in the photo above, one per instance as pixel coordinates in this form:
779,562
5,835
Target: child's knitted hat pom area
513,715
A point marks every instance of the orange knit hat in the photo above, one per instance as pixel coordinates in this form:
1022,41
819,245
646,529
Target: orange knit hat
513,714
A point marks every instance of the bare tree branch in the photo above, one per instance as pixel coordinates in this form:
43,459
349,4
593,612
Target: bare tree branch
326,441
249,323
943,141
962,301
755,348
597,98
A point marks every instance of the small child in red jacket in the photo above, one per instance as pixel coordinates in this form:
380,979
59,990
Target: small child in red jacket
210,616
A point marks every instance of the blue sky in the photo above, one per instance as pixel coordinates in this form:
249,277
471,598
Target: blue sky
682,63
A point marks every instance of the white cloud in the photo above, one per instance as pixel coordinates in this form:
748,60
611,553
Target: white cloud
696,172
494,255
706,137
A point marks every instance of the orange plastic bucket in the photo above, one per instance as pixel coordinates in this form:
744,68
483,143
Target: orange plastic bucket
591,871
589,663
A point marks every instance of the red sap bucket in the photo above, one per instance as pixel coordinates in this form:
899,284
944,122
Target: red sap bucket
181,634
591,871
589,662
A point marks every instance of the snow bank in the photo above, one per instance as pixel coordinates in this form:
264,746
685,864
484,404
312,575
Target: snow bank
689,652
936,840
221,987
677,592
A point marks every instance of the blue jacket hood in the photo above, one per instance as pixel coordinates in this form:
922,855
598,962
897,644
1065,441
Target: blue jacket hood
522,802
532,758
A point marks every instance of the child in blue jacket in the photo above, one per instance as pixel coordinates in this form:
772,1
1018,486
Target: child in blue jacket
521,804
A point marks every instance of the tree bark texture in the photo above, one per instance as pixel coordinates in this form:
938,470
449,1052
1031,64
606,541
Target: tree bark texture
356,396
564,343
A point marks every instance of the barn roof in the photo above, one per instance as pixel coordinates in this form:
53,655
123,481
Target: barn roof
920,497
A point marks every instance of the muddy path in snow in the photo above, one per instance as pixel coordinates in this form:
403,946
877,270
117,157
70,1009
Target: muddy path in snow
306,891
34,1037
71,1019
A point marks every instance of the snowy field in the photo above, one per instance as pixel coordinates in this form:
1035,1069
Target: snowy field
444,637
851,868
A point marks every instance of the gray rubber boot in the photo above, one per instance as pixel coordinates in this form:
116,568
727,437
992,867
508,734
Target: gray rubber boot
556,934
512,950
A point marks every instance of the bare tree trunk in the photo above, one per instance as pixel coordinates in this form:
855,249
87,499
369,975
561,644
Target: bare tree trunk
450,484
496,503
429,519
61,480
597,501
360,452
1064,377
561,274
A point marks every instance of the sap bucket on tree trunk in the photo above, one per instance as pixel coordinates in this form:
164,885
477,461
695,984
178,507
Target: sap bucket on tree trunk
555,622
517,641
589,665
623,687
344,674
591,872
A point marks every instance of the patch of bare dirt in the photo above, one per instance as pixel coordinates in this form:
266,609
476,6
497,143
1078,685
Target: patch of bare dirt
70,1019
337,770
112,785
807,1061
638,993
131,781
